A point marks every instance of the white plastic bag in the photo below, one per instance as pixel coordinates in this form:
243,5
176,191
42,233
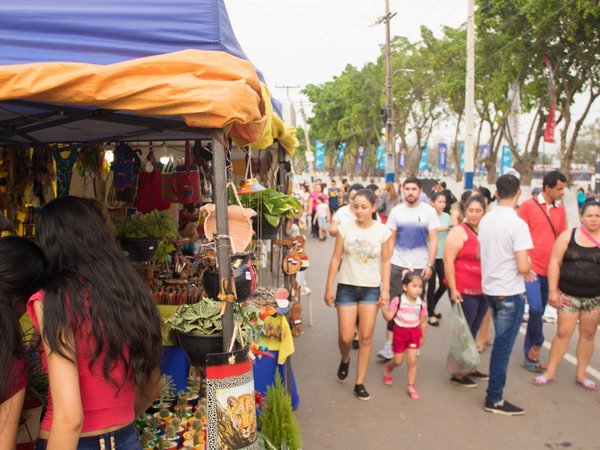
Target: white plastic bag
463,357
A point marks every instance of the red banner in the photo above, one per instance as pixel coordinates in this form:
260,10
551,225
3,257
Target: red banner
550,124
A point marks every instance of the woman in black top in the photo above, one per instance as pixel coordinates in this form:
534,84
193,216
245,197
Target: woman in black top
574,289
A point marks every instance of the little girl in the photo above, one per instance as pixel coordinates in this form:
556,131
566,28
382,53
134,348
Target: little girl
408,315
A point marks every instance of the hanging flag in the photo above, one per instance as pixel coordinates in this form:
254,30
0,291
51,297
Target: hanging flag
402,160
319,155
484,153
340,154
461,152
424,162
380,155
550,124
442,156
360,155
506,160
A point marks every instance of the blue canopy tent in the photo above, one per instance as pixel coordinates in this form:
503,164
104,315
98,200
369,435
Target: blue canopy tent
103,33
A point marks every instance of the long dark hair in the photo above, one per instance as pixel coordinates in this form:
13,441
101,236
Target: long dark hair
370,196
22,268
93,287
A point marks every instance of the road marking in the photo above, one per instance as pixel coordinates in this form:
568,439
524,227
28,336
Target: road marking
568,357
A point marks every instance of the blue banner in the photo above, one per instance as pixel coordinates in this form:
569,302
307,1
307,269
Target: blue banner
401,159
319,155
340,154
484,153
380,155
506,161
360,156
424,162
461,152
442,156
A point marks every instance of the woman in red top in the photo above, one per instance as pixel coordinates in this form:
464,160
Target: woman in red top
463,274
22,267
100,329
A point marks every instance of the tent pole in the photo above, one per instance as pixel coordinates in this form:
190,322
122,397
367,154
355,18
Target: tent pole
223,243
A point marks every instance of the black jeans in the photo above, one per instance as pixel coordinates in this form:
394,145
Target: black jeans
433,295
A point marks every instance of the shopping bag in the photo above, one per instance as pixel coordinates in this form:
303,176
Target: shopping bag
187,180
463,357
149,195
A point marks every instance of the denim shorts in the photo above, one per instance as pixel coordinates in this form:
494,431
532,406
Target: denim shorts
348,295
125,438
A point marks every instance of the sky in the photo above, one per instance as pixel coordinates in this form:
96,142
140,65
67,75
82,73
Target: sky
297,42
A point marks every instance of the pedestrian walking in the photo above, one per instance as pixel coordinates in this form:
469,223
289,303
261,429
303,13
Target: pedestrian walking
22,269
463,274
574,290
345,213
407,316
504,240
414,227
322,218
387,199
315,194
546,218
334,196
100,329
362,255
438,201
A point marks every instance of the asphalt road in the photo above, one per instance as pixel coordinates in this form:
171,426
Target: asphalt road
561,415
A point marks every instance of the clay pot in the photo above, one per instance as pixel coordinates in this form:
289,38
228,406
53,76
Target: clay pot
240,225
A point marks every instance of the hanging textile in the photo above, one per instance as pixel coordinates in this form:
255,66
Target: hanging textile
64,170
149,195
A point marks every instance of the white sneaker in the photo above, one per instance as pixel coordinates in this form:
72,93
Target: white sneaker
386,352
550,315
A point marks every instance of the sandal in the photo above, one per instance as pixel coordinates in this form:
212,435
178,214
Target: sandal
413,393
532,366
387,375
542,380
587,384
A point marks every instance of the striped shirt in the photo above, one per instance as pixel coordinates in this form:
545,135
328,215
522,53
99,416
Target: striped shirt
409,313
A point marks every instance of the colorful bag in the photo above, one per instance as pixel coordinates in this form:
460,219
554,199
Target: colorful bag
150,189
187,180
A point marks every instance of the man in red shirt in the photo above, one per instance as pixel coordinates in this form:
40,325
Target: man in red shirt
546,218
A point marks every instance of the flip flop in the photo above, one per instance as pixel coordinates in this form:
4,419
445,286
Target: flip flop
414,394
387,376
532,366
542,380
587,384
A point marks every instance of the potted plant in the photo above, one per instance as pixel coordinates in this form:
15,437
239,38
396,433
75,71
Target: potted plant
198,328
278,420
270,206
140,234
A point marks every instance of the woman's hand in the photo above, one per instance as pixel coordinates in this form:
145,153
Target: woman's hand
455,296
329,297
384,298
426,273
554,299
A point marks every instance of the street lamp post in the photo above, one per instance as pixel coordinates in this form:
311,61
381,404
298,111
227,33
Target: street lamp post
390,165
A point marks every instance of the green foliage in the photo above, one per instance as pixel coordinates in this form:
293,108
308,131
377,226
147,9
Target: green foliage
271,203
278,420
153,224
163,250
167,394
205,318
147,438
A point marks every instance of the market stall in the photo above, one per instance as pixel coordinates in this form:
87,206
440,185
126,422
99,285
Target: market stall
73,79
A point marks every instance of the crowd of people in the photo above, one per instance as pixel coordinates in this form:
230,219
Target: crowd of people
400,252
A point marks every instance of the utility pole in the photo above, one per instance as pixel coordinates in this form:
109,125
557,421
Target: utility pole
310,157
470,98
287,88
390,165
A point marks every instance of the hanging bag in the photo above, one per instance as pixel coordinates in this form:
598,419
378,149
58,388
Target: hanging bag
187,180
150,188
463,357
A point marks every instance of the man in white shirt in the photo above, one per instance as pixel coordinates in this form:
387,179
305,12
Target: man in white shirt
414,226
504,240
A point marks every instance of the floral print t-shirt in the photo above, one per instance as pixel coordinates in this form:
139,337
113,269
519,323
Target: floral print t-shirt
361,257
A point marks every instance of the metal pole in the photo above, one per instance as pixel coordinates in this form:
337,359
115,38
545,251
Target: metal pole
310,157
390,165
470,98
223,242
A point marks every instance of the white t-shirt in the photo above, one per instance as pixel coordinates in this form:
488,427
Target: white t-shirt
322,210
412,225
361,257
502,233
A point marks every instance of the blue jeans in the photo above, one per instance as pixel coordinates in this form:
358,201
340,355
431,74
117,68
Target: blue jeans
125,438
348,295
507,313
537,298
474,307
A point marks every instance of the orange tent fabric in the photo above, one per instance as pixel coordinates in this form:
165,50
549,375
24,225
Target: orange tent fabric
207,89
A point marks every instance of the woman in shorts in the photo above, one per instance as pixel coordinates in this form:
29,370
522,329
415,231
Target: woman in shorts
574,290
